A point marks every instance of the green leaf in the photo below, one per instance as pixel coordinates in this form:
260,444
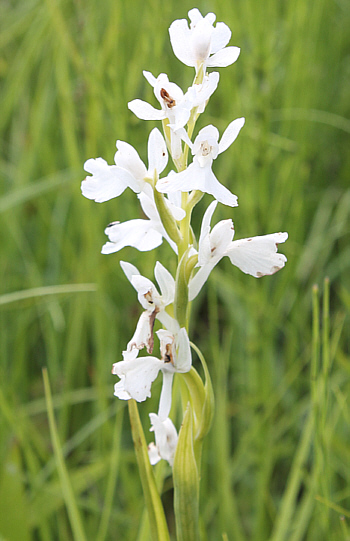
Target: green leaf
186,483
67,490
158,525
196,394
206,418
14,515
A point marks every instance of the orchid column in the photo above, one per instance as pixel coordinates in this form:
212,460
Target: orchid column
167,198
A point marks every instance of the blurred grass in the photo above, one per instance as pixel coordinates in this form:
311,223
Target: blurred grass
271,469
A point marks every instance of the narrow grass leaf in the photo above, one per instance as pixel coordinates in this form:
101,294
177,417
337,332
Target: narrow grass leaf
66,486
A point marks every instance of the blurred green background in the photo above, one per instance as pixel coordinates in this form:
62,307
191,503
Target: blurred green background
276,464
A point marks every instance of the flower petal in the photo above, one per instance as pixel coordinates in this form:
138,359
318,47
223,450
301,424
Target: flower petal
137,233
165,440
143,335
180,39
129,270
198,281
224,58
258,256
166,283
128,158
165,395
107,181
183,352
157,152
137,377
231,133
145,111
220,37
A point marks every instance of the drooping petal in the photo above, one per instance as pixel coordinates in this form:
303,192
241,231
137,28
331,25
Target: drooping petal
258,256
138,233
106,182
136,377
145,111
231,133
224,58
200,178
119,390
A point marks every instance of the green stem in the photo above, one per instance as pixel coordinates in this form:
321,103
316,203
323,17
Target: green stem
157,521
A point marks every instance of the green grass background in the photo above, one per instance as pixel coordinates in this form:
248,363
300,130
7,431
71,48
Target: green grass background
276,465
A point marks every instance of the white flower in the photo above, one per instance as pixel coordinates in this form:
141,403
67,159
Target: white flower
175,105
199,174
137,375
202,44
142,234
256,256
165,440
109,181
153,303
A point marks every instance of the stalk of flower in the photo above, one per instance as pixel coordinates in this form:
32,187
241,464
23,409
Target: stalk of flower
168,202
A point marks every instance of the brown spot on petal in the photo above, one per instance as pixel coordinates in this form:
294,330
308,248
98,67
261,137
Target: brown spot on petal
148,297
150,342
170,102
275,269
168,356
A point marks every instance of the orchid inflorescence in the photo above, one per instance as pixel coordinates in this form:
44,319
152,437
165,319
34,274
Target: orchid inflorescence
168,201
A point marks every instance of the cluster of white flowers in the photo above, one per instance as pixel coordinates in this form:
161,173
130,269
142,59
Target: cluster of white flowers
167,203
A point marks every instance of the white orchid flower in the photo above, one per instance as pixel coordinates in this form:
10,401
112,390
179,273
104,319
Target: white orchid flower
165,440
175,105
199,174
109,181
201,43
256,256
142,234
137,375
154,305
